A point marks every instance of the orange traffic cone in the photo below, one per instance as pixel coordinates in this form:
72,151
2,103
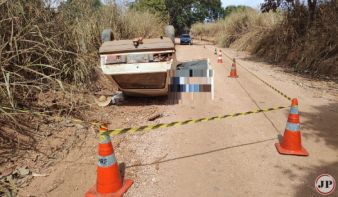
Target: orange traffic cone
220,57
291,144
109,182
233,72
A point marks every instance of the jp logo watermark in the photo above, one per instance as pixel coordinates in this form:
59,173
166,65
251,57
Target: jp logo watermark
325,184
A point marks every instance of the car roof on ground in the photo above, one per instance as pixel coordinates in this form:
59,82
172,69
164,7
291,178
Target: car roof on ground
125,46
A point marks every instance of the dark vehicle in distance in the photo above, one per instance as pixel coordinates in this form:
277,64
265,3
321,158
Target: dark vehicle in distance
186,39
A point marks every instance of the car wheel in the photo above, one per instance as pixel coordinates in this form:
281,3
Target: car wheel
170,32
107,35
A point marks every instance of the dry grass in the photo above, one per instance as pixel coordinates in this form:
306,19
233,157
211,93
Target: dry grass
242,30
49,62
42,48
49,58
282,37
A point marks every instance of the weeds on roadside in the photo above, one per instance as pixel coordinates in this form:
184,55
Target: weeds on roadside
49,57
283,36
44,49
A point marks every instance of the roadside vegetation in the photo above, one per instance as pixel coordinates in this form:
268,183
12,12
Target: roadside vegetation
49,63
44,49
292,33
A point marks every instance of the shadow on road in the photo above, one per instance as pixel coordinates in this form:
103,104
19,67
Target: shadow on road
322,126
319,126
134,101
199,154
306,187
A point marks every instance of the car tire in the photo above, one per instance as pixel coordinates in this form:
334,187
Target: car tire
170,32
107,35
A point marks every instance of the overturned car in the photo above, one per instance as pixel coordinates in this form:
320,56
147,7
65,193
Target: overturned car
142,67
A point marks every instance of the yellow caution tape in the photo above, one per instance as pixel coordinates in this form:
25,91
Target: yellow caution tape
156,126
171,124
281,93
149,127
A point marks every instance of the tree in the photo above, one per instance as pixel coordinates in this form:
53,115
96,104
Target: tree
177,7
182,13
153,6
229,9
232,8
197,11
270,5
215,10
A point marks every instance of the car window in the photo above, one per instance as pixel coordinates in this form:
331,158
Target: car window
185,36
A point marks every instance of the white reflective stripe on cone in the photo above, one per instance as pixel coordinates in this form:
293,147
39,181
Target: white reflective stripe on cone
294,110
107,160
292,126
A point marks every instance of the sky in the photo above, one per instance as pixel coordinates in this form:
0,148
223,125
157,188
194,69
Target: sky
251,3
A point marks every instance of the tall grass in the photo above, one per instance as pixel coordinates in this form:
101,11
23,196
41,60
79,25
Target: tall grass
283,37
43,50
40,45
241,29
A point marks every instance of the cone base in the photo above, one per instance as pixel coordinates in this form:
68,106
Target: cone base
234,76
126,184
219,62
283,151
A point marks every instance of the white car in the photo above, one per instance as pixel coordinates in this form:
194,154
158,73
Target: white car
140,67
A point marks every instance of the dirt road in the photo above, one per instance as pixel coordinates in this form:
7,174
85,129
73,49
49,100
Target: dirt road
227,157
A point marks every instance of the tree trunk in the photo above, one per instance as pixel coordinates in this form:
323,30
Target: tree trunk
312,6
